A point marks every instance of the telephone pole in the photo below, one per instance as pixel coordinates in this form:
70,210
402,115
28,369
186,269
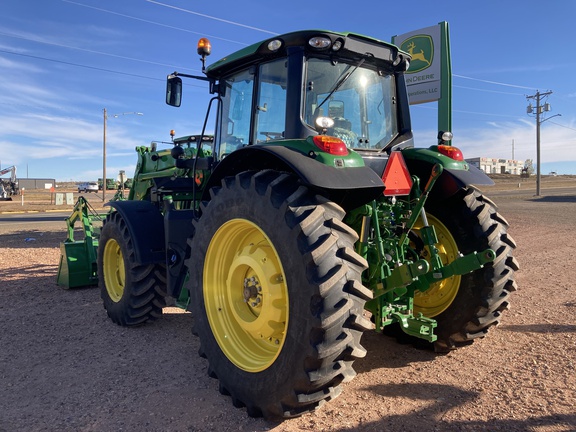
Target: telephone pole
104,148
104,158
539,110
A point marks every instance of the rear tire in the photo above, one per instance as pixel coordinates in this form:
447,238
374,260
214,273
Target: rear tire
132,294
276,294
479,298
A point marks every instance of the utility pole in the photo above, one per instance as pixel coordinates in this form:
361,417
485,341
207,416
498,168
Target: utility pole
104,148
540,109
104,160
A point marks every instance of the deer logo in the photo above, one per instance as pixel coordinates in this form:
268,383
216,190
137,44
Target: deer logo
417,56
421,49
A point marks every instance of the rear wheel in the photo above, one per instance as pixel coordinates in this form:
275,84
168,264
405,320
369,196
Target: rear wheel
276,294
132,293
466,306
441,294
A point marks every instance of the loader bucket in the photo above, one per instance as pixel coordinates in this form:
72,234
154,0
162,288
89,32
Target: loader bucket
77,267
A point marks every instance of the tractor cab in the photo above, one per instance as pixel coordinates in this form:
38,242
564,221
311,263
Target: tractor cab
306,84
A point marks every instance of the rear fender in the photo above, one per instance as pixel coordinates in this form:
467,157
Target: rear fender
455,176
146,227
349,187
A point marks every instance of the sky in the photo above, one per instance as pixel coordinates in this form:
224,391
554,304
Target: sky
62,62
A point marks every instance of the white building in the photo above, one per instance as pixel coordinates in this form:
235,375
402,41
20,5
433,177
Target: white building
497,166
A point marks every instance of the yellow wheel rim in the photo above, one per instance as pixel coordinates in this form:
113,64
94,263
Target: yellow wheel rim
245,295
114,272
441,294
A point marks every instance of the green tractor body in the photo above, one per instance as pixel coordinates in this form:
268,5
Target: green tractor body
302,218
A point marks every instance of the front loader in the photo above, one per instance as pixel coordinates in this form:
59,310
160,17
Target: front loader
304,217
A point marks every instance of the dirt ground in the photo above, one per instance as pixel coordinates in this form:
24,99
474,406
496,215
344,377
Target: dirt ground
65,366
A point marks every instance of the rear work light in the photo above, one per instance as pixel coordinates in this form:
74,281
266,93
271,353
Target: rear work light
451,152
332,145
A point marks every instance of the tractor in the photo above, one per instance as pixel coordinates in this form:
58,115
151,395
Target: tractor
302,216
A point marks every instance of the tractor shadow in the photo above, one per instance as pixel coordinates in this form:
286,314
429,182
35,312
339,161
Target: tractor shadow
438,400
555,199
391,352
431,402
540,328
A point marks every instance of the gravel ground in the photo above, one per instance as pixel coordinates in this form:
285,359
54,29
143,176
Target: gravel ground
65,366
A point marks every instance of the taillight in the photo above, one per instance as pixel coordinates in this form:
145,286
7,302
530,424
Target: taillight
396,176
451,152
329,144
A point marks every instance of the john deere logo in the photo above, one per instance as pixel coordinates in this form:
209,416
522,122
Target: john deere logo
421,48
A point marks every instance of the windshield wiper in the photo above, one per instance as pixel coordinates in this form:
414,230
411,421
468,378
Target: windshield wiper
342,80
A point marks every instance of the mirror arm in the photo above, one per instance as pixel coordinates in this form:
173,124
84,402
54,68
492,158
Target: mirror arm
175,74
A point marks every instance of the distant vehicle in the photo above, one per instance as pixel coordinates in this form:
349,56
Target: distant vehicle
553,173
8,187
110,184
88,187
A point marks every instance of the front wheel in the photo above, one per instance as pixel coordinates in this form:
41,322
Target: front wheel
276,294
132,293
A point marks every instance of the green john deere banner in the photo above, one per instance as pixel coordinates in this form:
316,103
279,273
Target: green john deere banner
429,77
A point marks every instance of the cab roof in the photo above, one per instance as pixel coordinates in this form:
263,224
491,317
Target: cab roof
351,45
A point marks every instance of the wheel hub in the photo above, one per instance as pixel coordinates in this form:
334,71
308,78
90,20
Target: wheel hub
440,295
252,290
114,272
245,295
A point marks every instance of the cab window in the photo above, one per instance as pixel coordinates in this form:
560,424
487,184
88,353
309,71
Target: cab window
270,115
236,112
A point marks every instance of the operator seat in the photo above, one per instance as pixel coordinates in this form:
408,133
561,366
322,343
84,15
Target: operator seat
342,126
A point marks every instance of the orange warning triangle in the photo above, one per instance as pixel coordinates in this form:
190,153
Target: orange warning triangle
396,176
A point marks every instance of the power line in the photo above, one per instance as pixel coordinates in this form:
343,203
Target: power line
179,67
212,17
494,82
260,30
558,124
228,40
153,22
485,114
91,67
80,65
91,51
435,108
489,91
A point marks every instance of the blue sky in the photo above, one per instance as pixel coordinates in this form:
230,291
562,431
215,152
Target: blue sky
63,61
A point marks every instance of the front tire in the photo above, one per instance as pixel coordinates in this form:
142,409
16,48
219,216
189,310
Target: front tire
132,293
276,294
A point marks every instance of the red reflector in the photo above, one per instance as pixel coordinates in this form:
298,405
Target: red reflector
330,144
451,152
396,177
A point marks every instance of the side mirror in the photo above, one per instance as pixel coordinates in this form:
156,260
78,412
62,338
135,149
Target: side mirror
174,91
